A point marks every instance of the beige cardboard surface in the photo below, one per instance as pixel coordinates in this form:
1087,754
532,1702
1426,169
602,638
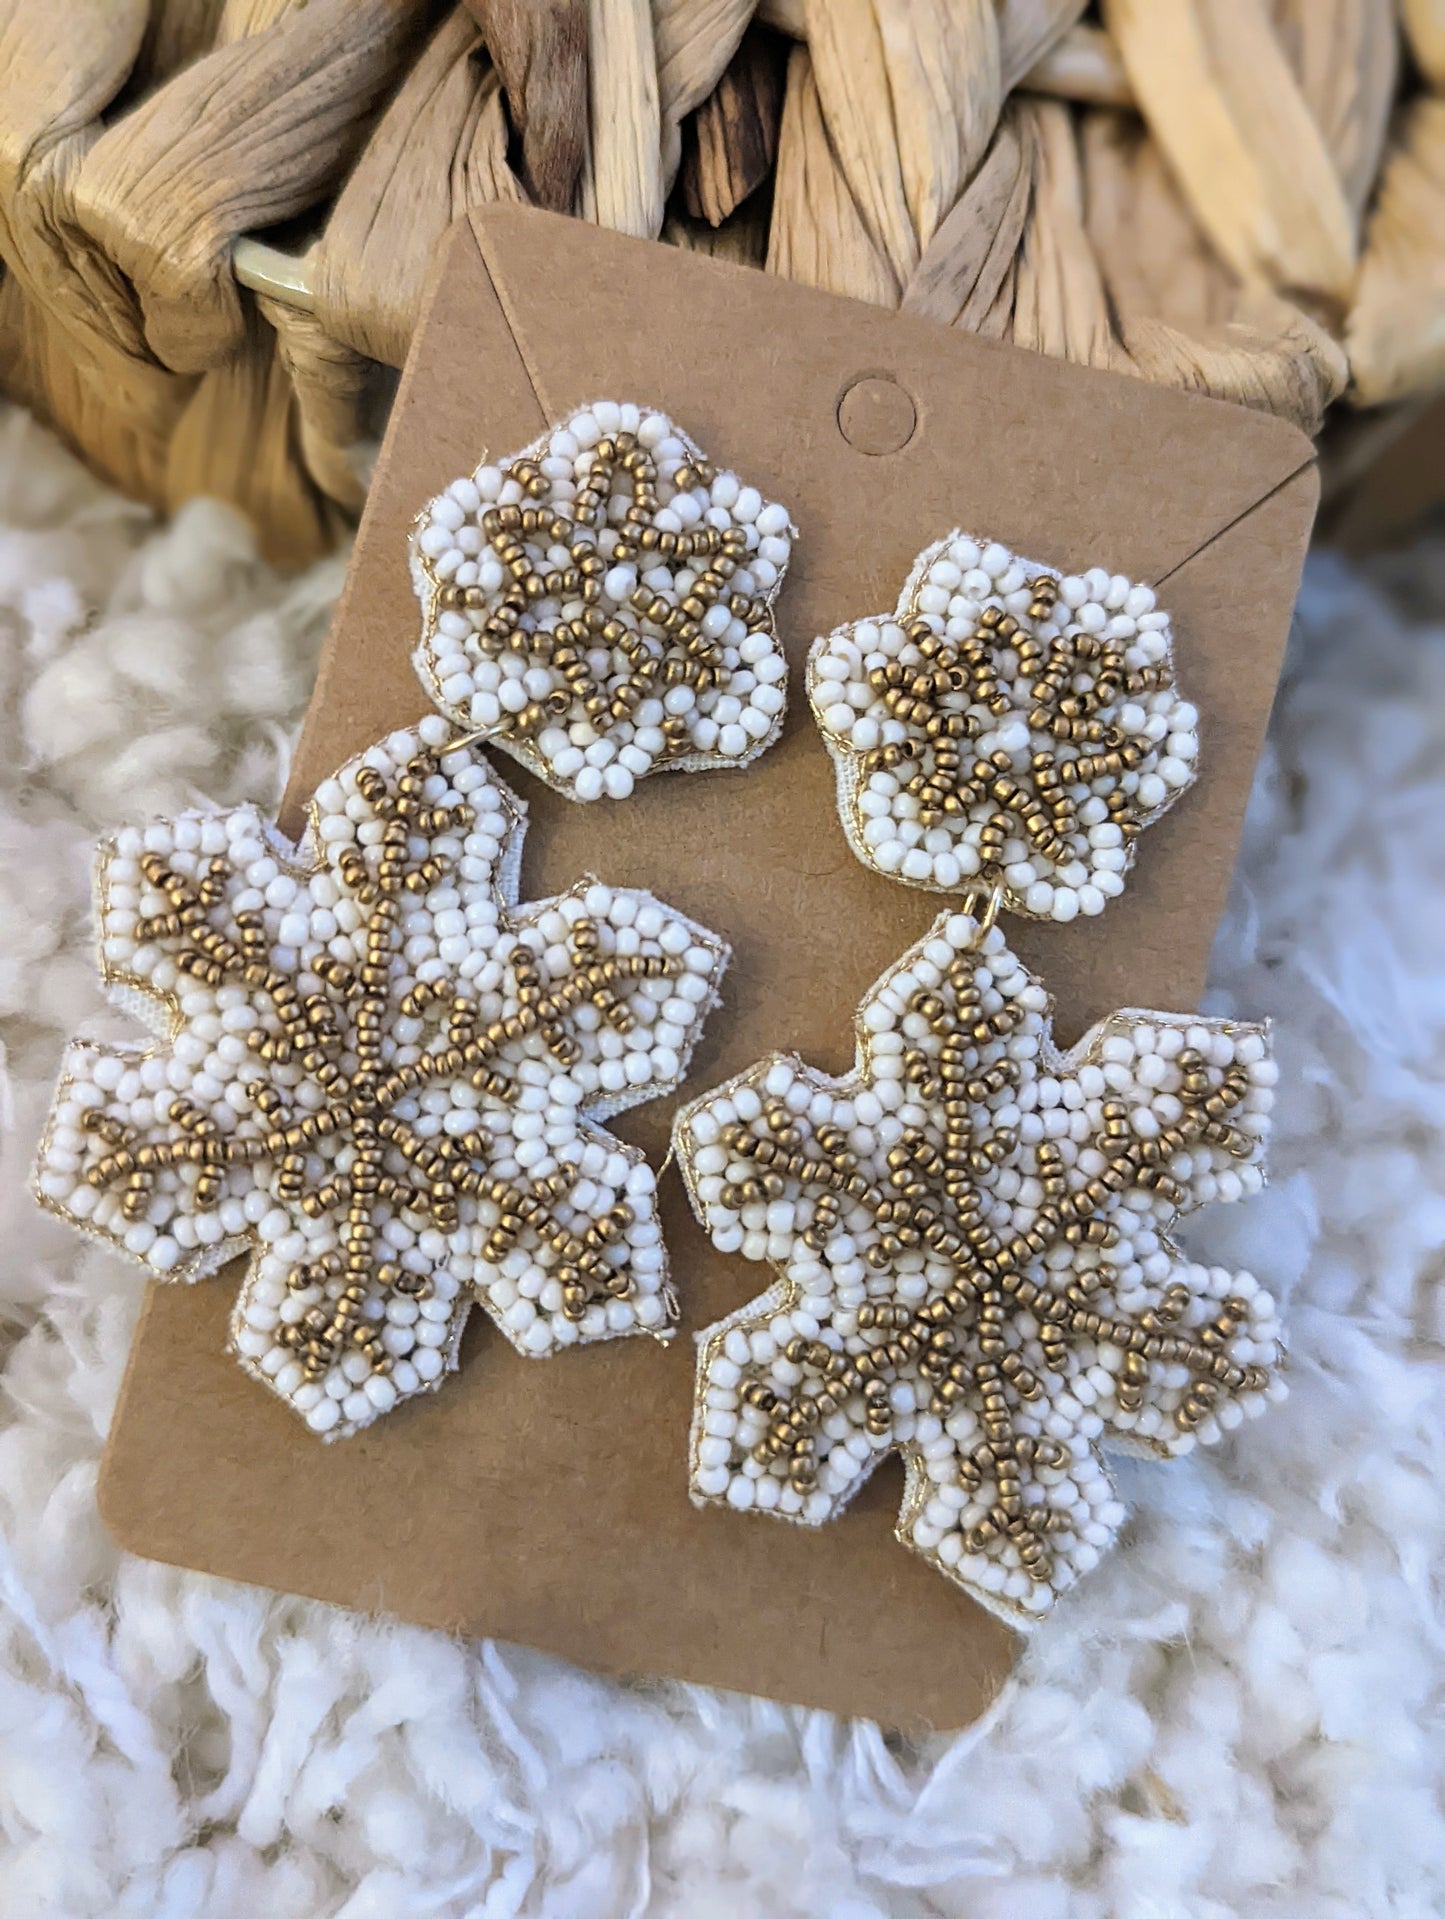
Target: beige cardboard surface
545,1502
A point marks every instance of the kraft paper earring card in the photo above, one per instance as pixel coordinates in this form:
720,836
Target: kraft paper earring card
549,1504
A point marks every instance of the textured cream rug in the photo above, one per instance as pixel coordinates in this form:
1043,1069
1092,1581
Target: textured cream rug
1241,1713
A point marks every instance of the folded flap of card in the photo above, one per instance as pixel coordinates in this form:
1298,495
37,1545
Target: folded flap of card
774,390
1070,466
547,1503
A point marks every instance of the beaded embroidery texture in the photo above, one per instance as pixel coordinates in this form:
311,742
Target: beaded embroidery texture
601,604
1005,726
970,1233
380,1076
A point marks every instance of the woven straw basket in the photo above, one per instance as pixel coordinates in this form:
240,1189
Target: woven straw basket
215,215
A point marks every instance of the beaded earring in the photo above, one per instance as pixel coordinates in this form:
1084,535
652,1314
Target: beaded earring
970,1229
1005,723
380,1077
600,605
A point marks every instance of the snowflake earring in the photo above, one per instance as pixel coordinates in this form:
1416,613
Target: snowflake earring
381,1077
970,1229
1007,723
600,605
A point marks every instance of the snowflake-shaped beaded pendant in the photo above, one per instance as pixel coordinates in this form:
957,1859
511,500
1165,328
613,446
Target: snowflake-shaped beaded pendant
601,604
1005,726
381,1077
970,1232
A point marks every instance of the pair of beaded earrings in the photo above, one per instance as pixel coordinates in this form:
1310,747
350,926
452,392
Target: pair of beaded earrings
386,1080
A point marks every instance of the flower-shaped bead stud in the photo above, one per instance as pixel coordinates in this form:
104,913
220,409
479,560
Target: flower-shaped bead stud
1005,726
601,604
380,1077
969,1233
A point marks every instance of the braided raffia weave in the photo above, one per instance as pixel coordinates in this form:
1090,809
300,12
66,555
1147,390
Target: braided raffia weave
1245,197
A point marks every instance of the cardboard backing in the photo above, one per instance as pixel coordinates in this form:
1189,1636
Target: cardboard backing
546,1502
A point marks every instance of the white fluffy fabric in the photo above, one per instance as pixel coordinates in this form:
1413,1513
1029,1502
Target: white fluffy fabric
1239,1713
